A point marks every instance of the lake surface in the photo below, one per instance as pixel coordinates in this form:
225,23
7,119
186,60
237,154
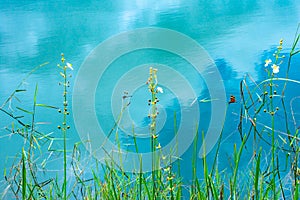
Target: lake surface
238,36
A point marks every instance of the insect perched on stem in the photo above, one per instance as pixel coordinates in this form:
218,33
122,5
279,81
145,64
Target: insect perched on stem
232,99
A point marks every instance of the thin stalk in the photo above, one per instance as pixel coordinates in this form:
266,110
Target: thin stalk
152,86
64,130
24,183
256,178
237,157
205,168
64,125
218,146
194,160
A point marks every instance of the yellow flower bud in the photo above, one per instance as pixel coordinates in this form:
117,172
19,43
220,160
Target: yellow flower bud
158,146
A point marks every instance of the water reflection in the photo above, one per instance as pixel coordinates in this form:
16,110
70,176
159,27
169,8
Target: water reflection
244,27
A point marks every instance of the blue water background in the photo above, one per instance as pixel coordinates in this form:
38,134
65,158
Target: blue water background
238,35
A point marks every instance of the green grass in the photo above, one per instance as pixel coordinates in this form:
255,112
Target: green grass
95,180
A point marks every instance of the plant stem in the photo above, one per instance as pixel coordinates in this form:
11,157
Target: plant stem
65,134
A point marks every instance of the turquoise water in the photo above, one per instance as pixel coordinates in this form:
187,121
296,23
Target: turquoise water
238,35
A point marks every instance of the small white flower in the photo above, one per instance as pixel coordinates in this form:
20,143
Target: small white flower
267,62
275,68
69,65
159,89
